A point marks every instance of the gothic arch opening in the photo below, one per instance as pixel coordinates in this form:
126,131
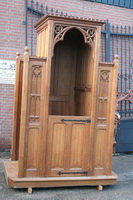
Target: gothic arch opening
71,76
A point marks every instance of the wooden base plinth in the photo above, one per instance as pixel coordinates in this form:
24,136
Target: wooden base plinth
11,173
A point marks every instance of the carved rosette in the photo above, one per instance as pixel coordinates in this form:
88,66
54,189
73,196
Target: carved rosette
60,31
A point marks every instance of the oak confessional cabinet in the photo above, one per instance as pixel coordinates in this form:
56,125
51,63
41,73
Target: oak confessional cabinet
64,108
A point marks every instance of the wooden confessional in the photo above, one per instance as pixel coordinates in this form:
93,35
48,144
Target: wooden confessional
64,109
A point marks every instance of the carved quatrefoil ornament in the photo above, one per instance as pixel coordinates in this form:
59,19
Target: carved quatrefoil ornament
36,71
105,76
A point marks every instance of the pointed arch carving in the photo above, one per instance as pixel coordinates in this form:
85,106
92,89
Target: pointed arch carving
88,33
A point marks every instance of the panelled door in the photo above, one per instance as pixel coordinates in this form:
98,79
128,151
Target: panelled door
68,146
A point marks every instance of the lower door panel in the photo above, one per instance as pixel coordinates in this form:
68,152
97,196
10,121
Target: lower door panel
68,146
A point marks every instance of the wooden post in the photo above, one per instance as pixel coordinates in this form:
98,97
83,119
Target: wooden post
15,110
29,190
100,187
24,109
116,64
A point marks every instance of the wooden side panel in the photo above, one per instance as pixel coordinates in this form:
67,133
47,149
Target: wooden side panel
68,145
30,163
42,42
17,109
33,129
104,120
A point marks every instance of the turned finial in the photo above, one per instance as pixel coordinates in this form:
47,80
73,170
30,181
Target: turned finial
17,57
26,53
116,59
17,54
26,49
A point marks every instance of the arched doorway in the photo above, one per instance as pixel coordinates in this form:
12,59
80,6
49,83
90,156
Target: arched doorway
71,76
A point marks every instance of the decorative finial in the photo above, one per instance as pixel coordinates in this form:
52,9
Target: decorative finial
116,59
17,54
26,49
26,53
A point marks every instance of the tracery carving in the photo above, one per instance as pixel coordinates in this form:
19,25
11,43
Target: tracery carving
35,96
34,118
101,121
36,71
90,36
103,99
58,28
104,76
60,31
